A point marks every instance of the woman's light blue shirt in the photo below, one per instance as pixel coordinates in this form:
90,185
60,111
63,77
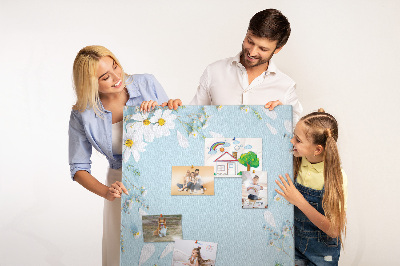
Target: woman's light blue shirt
86,129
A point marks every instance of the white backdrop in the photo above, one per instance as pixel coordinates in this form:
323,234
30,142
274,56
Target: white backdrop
344,56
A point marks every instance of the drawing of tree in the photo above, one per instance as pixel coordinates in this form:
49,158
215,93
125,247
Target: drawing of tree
249,159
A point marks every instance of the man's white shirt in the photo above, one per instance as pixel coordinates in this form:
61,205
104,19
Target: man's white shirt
225,82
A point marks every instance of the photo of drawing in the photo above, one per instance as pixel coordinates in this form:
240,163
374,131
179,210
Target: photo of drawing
193,252
192,180
161,228
231,156
254,190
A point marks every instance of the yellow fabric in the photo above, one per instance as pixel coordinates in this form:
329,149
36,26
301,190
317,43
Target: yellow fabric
312,176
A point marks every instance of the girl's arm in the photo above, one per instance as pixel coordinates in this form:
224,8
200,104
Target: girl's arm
291,194
92,184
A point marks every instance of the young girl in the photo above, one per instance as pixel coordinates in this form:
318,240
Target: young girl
196,259
102,90
319,192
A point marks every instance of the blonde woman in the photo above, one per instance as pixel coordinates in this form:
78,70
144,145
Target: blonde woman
103,89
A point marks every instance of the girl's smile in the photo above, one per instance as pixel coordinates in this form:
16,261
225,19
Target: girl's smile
303,147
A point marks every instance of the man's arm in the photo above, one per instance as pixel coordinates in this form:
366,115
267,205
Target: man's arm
292,99
203,96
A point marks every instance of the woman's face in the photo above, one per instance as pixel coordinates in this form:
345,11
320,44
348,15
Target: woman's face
109,76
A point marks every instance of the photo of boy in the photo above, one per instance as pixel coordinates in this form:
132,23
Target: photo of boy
254,190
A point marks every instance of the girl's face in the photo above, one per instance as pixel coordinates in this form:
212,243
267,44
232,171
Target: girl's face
109,76
302,147
194,253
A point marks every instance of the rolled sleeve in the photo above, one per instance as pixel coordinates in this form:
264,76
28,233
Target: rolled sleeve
202,96
80,149
159,92
292,99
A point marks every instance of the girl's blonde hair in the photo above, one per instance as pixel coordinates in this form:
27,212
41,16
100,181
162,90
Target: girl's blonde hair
322,129
86,83
199,258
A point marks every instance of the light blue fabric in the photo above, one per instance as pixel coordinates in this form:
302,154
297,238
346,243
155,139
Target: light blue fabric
86,129
244,236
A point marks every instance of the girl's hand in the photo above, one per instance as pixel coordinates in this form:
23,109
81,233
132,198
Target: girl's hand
272,104
115,191
172,104
290,192
147,106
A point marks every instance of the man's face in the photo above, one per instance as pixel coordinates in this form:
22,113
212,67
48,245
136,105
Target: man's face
257,51
196,172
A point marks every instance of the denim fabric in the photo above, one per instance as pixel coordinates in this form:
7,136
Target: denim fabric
87,130
253,197
313,246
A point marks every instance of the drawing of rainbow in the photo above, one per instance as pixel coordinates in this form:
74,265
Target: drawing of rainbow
216,144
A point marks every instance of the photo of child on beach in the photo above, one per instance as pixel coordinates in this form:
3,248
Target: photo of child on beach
162,228
192,180
254,190
194,253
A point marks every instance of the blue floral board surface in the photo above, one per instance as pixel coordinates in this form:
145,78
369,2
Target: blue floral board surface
155,142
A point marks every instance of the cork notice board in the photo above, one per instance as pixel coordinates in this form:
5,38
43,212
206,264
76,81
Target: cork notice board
201,186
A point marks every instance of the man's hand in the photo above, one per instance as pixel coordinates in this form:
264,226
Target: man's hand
272,104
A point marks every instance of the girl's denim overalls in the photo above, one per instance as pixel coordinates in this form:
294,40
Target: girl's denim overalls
313,247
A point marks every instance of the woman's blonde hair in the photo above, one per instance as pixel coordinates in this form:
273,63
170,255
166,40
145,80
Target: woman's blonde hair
86,83
322,129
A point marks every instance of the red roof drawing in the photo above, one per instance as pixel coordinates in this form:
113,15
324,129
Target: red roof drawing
229,158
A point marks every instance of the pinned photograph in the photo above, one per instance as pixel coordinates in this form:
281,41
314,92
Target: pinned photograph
162,228
231,156
193,252
254,190
192,180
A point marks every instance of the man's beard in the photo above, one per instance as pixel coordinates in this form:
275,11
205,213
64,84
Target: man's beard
260,60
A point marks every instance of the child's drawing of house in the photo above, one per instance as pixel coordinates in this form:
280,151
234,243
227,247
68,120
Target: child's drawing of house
226,164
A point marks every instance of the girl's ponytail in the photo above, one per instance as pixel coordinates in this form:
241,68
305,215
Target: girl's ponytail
333,201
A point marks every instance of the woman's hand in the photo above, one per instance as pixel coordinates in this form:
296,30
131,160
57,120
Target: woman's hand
289,191
115,191
272,104
172,104
147,106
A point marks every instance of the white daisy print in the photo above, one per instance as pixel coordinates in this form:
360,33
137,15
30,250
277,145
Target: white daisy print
162,122
142,126
133,144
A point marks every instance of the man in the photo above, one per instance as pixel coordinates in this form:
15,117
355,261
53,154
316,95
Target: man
251,77
199,181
